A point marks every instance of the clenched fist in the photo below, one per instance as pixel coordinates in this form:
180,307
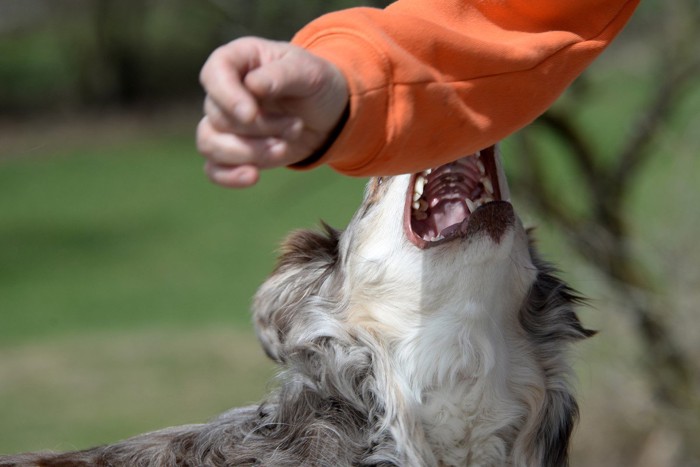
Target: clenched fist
268,104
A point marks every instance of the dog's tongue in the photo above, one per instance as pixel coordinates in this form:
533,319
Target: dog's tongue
448,216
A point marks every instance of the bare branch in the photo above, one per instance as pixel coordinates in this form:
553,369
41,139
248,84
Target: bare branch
638,148
679,65
563,126
532,180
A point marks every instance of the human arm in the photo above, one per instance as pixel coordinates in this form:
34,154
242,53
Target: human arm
428,82
432,80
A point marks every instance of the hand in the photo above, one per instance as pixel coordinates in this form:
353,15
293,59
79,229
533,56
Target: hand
268,104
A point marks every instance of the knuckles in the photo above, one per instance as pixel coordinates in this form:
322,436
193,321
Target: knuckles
203,138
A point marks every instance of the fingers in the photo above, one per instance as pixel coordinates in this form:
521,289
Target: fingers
295,74
268,104
222,77
261,125
242,176
225,148
230,104
303,84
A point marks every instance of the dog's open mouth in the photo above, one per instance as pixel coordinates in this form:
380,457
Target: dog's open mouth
440,201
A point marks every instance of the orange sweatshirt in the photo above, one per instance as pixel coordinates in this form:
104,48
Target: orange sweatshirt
433,80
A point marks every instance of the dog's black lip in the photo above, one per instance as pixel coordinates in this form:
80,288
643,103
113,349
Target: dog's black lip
493,219
466,228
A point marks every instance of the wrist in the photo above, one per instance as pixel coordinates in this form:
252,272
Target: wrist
314,158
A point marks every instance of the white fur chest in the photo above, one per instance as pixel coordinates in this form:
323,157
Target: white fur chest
464,426
459,383
459,364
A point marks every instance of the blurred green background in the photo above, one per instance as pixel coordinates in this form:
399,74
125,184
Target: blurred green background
126,278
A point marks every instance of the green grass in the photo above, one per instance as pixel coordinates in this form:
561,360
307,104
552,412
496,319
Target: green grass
86,389
125,284
134,235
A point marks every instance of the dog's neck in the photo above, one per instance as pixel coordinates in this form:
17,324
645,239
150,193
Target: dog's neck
451,340
460,308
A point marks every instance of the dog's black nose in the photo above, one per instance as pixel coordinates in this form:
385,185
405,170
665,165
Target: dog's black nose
493,219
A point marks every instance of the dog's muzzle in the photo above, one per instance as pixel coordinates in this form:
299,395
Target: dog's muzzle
457,200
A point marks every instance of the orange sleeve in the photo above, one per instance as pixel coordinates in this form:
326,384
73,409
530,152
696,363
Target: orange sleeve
431,81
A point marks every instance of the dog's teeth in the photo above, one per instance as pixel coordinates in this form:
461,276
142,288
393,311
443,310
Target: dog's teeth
483,200
420,215
422,205
481,167
419,187
420,184
427,172
420,209
471,205
487,184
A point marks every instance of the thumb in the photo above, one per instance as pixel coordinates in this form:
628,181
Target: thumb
296,74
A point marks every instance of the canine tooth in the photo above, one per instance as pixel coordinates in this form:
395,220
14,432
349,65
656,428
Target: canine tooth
483,200
416,196
427,172
420,184
471,205
481,167
487,184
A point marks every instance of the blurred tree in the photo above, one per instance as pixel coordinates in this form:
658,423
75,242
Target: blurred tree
68,53
120,32
602,170
279,20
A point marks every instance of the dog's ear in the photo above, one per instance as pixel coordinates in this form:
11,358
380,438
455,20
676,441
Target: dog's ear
300,284
550,322
558,420
304,248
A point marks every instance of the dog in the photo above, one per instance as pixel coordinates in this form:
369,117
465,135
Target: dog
428,333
